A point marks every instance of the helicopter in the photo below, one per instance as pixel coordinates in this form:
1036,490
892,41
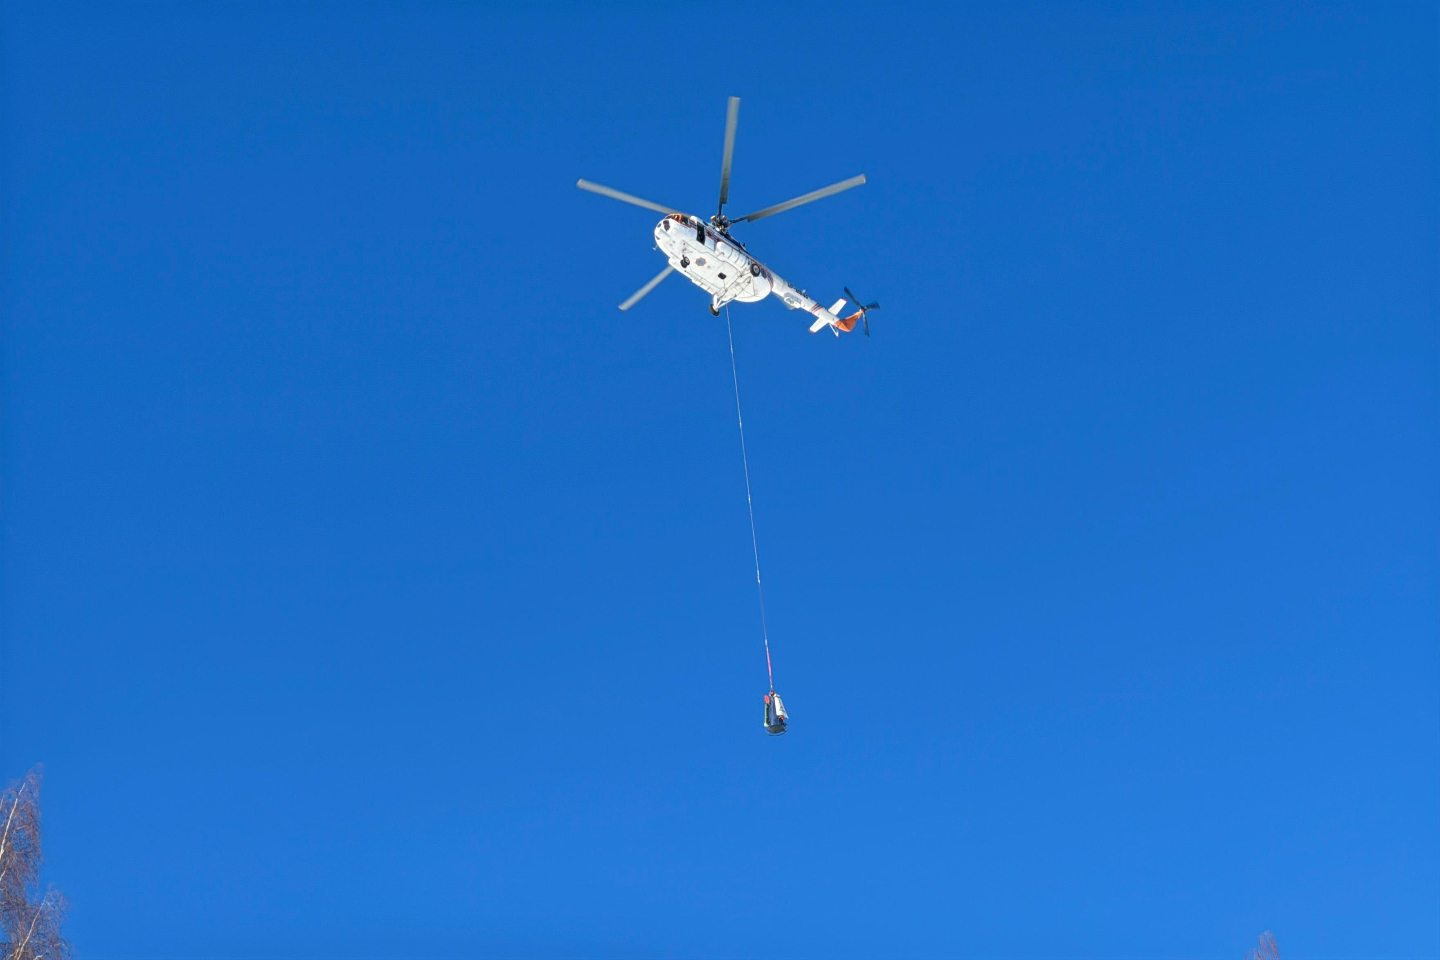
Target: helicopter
709,257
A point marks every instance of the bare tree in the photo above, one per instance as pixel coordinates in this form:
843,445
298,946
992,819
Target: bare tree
1267,949
29,920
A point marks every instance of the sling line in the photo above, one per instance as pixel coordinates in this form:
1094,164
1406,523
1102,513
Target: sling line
749,502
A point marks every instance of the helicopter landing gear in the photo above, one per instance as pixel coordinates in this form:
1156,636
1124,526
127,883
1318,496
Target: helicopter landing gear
754,269
714,310
684,262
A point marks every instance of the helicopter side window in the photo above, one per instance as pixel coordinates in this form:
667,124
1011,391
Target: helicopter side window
699,232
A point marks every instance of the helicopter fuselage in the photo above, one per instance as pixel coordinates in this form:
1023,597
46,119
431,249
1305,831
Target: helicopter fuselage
721,266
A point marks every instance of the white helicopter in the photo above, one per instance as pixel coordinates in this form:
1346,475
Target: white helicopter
720,265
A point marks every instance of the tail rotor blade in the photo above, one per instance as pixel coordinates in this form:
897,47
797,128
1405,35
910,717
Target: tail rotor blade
614,194
638,294
732,117
811,197
864,308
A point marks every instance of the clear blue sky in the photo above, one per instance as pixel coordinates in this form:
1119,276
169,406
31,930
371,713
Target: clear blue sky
372,587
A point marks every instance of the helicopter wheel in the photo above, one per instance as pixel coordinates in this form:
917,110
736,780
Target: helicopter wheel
714,312
754,269
684,262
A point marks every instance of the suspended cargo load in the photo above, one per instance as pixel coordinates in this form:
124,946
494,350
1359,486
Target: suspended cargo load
776,719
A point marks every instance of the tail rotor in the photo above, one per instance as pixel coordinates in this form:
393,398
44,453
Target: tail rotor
864,310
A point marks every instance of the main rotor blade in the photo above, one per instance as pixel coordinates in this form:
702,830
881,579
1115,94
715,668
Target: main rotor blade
605,191
635,297
732,116
820,194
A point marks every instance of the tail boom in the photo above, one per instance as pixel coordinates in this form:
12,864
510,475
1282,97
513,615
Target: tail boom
797,300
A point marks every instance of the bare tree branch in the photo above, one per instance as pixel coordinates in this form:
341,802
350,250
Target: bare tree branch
29,922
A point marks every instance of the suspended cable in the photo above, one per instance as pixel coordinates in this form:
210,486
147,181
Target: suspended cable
749,501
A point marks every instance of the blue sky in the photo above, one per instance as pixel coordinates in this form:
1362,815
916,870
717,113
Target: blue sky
372,587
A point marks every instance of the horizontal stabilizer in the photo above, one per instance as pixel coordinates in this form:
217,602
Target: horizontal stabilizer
838,306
